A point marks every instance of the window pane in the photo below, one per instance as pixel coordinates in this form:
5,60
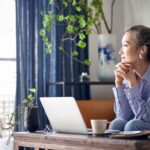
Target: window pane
7,51
7,28
7,77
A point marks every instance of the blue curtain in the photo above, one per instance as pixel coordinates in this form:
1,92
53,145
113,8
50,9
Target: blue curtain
34,67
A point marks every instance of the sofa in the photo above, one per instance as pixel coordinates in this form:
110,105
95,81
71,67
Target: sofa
96,109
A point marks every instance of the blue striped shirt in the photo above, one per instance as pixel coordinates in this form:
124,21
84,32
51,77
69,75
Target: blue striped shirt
133,102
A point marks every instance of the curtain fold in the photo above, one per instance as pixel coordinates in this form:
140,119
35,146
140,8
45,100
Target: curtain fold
32,62
34,68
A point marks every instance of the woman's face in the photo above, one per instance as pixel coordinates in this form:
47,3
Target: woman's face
129,52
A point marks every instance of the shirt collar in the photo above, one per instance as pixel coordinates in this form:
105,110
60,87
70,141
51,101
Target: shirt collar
147,74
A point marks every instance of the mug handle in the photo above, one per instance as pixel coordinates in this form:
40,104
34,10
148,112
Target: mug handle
108,123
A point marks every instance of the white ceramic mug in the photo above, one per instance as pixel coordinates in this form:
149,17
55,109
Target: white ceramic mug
99,125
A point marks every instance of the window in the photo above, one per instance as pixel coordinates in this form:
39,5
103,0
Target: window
7,56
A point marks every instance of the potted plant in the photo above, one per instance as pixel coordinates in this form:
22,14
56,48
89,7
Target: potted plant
26,107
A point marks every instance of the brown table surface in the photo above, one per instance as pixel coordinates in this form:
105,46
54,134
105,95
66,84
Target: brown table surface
76,142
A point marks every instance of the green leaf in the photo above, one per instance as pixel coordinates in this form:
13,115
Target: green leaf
78,9
76,29
70,28
48,51
87,62
74,2
33,90
65,3
90,22
88,31
81,36
42,32
81,44
71,18
29,96
45,38
61,48
51,1
48,44
60,17
66,18
47,21
74,53
82,22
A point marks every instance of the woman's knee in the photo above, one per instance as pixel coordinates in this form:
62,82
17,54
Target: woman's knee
132,125
117,124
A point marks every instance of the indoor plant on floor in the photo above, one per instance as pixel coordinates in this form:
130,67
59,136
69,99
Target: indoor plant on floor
26,107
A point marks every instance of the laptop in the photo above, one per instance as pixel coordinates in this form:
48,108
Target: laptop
64,115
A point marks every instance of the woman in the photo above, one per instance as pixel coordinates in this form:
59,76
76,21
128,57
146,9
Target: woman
132,80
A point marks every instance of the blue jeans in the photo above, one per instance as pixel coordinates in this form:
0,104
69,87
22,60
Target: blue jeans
132,125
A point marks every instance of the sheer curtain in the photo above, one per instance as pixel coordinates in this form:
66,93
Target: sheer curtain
34,67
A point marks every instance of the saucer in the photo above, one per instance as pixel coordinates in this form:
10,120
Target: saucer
101,134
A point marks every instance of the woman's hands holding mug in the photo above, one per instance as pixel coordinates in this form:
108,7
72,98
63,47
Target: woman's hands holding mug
125,71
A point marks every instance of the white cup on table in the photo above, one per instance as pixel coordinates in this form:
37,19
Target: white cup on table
99,125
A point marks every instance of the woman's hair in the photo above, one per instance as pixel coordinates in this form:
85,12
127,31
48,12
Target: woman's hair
141,35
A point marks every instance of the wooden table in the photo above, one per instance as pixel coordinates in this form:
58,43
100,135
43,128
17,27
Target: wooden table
75,142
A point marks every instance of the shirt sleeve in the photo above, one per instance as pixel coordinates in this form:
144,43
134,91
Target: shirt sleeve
140,106
121,106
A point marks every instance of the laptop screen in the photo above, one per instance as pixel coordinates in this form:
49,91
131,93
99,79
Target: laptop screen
64,115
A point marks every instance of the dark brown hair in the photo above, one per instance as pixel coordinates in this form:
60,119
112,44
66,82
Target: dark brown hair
141,37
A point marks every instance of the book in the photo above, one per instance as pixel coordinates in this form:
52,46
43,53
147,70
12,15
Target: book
131,134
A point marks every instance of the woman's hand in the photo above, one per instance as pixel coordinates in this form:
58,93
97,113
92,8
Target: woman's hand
130,76
119,75
125,71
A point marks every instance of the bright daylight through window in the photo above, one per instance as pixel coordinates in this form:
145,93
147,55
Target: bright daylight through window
7,57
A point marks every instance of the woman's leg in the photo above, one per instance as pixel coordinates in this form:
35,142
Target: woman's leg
135,125
117,124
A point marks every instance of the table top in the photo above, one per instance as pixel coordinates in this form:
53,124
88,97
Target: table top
82,141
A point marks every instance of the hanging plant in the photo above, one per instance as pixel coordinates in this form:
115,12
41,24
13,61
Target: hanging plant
78,24
96,13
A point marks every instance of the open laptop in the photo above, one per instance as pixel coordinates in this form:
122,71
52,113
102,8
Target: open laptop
64,115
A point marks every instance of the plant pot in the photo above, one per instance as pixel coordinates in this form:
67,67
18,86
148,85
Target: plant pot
31,119
107,57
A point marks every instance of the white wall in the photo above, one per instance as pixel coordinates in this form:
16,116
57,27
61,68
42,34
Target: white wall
137,12
126,13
